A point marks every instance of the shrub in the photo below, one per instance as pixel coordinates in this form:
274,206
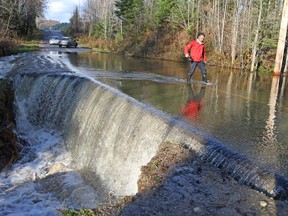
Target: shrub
7,46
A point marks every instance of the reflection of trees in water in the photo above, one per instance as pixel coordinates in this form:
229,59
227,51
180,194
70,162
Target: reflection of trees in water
73,58
271,145
228,101
249,93
269,134
113,62
275,100
237,113
282,90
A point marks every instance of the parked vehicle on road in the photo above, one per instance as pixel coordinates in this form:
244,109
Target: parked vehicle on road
68,42
54,40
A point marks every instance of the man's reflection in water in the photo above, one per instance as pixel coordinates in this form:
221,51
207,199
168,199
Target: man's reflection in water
195,102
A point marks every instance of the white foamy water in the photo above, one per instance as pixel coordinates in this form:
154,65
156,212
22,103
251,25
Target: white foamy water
42,180
6,64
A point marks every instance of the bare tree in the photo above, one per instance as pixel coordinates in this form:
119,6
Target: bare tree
20,16
254,52
235,29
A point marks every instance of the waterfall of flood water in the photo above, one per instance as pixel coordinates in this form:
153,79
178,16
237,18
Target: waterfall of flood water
109,138
110,135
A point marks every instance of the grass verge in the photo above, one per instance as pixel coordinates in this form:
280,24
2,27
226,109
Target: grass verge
30,43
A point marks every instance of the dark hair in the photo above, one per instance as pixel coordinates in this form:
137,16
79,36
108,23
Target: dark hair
200,33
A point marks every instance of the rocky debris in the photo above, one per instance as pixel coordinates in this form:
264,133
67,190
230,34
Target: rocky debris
155,172
176,182
263,203
59,167
8,142
197,209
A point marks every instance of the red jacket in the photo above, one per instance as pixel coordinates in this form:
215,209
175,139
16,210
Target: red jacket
197,51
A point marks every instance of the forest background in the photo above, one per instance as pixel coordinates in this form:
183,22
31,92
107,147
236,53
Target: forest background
239,33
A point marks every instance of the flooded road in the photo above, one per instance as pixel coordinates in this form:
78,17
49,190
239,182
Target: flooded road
78,132
248,112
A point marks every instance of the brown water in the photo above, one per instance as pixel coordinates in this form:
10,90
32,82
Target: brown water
247,112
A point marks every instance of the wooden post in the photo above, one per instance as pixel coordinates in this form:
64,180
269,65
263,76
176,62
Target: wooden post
278,69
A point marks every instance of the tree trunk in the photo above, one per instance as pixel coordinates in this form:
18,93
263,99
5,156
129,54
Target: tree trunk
278,69
235,30
254,52
198,17
223,26
286,66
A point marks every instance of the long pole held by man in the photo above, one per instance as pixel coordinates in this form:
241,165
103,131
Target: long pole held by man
196,51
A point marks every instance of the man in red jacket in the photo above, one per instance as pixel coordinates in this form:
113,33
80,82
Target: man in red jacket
197,52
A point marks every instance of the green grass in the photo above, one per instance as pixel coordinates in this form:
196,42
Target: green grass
28,47
31,42
81,212
100,50
265,70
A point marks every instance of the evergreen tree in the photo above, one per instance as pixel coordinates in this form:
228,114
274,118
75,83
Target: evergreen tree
163,11
75,23
130,11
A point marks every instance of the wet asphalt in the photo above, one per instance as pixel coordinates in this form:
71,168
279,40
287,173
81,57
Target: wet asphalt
46,47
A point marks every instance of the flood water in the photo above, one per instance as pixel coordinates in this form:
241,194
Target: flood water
247,112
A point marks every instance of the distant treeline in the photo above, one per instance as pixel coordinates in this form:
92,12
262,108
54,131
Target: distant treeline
46,24
239,32
61,27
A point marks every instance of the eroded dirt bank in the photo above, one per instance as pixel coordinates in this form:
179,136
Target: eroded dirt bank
8,147
177,182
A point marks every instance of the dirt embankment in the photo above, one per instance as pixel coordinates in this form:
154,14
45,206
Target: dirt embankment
16,45
164,44
161,45
8,144
177,182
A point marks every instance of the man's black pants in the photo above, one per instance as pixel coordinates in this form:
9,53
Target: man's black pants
193,66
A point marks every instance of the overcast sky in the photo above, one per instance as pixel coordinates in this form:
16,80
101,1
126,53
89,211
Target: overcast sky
62,10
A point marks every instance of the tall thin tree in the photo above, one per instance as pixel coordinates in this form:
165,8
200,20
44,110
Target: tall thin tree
282,43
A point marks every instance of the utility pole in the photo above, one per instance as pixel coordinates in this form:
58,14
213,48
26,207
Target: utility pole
280,60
